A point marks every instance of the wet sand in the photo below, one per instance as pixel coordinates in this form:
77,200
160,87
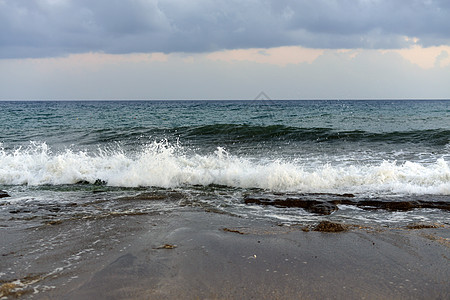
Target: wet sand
193,254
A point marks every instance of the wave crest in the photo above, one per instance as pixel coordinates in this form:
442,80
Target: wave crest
162,164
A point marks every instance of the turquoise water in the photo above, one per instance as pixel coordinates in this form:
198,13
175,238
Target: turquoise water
213,154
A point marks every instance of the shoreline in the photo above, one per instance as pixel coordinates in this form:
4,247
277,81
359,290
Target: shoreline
191,253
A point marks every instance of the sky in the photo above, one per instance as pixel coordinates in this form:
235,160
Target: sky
224,49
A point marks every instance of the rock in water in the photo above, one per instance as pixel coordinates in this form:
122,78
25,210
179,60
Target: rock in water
325,208
313,206
4,194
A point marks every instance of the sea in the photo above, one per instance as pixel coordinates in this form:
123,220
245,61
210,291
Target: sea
377,162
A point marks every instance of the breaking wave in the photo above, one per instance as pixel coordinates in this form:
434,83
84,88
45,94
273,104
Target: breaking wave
162,164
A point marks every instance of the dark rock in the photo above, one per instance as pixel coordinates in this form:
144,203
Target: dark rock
100,182
324,208
82,182
4,194
347,195
97,182
422,226
402,205
233,230
313,206
444,205
389,205
327,226
331,195
325,204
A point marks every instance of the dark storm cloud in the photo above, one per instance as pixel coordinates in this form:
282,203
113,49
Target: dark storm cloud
43,28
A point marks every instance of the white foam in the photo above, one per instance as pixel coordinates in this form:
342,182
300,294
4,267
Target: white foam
163,165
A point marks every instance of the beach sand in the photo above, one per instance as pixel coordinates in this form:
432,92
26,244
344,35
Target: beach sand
193,254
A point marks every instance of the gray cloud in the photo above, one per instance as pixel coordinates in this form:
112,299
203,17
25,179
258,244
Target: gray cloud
57,27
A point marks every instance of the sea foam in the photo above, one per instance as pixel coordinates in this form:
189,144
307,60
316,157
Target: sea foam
161,164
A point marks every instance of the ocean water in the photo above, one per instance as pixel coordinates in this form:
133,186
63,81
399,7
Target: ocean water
366,162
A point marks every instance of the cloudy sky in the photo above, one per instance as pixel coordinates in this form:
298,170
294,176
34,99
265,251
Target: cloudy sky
224,49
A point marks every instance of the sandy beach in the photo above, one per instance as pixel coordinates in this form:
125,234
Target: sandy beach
193,254
224,149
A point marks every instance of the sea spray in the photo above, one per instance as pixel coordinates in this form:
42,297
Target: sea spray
161,164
